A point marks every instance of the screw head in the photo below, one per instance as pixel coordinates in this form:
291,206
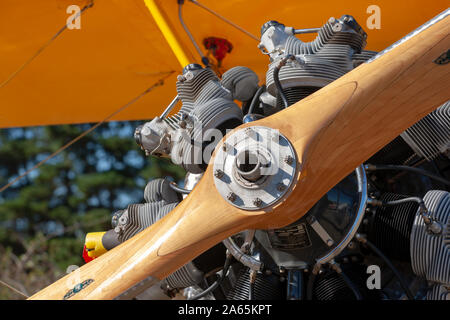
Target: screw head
123,220
337,27
257,202
351,245
250,133
231,196
276,137
288,159
281,186
218,173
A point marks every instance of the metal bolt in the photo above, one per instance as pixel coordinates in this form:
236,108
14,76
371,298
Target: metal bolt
276,137
250,133
145,131
123,220
231,196
330,242
189,76
351,245
337,28
226,147
218,173
257,202
288,159
281,187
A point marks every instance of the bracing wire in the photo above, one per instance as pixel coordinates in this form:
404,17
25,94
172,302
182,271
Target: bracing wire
225,20
86,132
50,236
42,48
67,145
13,289
160,82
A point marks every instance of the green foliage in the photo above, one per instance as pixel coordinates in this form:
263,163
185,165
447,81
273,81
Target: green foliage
45,216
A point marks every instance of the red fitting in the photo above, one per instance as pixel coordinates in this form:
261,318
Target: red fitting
86,256
219,47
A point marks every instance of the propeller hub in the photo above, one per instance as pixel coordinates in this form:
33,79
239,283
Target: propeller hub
253,167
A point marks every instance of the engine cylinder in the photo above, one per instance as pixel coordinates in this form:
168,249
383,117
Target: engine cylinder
390,228
430,253
430,136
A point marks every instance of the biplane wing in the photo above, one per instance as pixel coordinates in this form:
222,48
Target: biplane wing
85,74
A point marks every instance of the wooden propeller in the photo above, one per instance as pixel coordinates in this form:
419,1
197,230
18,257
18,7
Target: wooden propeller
333,131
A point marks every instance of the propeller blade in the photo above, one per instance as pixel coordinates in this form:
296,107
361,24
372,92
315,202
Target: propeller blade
332,131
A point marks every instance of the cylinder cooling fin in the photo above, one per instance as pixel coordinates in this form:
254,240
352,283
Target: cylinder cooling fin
430,252
322,243
324,231
160,200
330,286
241,81
439,292
294,94
431,136
396,152
207,107
390,227
337,49
265,287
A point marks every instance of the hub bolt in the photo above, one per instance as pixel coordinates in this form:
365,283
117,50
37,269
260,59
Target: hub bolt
288,159
218,173
231,196
281,187
257,202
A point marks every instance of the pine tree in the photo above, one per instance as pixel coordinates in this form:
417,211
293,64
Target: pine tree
45,216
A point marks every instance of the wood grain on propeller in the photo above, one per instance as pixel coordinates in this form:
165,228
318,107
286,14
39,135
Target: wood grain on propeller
333,131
